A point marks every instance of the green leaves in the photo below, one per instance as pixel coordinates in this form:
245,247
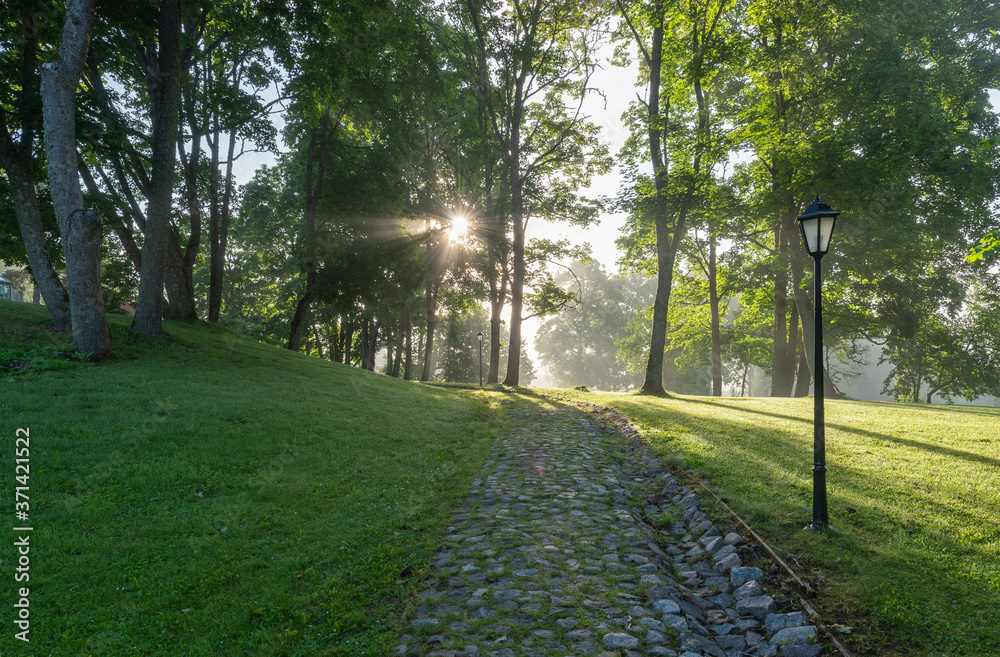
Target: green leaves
986,243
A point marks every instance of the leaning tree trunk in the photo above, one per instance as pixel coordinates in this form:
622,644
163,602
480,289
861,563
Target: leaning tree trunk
166,118
16,161
297,326
315,179
32,233
81,229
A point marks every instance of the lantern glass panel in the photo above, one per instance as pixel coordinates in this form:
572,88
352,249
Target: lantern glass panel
825,232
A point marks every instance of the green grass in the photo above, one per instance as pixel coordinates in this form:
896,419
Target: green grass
914,491
209,495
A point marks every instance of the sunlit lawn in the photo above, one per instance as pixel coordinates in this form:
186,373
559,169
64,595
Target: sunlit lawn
914,491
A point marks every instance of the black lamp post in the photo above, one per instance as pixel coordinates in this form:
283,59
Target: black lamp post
817,224
480,359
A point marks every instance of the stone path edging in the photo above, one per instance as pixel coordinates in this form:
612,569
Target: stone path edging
564,549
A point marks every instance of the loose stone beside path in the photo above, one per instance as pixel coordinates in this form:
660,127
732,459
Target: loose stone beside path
555,554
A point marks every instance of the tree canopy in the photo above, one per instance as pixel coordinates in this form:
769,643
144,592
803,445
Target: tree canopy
412,146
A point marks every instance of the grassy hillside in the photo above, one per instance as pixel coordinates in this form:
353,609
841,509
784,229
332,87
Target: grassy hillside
210,495
914,492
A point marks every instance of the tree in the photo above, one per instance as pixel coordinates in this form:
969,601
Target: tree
163,79
533,57
888,131
695,320
577,345
680,66
81,229
349,96
18,160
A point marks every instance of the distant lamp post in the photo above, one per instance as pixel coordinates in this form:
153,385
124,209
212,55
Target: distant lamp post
480,359
817,224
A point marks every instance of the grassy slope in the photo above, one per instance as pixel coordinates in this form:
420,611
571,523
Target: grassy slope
914,496
211,495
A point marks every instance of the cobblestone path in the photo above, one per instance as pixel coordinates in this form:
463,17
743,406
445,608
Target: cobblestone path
553,555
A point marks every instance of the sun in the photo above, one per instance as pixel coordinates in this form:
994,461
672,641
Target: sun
459,228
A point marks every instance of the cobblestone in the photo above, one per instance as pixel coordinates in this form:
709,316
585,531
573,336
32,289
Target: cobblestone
573,543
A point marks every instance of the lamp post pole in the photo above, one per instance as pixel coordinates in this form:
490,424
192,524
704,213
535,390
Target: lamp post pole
817,224
480,359
821,519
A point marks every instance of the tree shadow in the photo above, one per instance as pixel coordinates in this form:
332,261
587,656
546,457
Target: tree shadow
916,444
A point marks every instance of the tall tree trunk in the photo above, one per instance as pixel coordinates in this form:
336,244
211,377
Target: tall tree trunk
369,341
780,385
397,362
431,288
408,360
16,162
793,344
348,342
802,379
166,117
517,275
332,341
81,229
180,284
493,376
653,382
430,301
190,165
394,365
296,327
808,324
373,344
178,280
365,328
420,344
318,341
219,226
389,344
713,298
498,296
336,341
668,239
315,179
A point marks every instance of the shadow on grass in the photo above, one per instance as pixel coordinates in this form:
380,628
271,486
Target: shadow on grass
916,444
907,557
